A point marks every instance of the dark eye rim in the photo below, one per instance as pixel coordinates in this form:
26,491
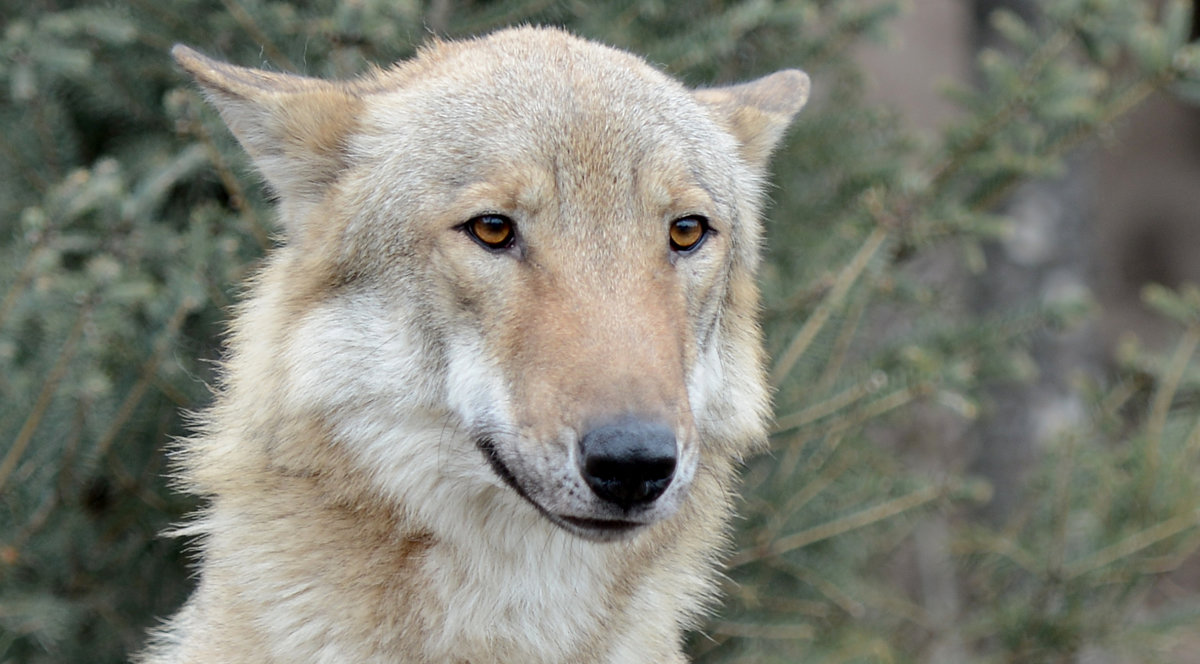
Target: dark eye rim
706,230
468,227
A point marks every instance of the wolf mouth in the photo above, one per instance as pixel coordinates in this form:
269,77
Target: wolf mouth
603,528
600,530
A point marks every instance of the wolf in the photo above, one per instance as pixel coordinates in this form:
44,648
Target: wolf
487,400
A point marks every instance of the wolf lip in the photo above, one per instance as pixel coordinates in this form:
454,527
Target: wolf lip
601,530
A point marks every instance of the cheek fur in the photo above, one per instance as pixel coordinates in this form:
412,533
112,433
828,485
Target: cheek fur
475,389
352,350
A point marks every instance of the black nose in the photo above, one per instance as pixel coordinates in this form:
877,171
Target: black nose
629,463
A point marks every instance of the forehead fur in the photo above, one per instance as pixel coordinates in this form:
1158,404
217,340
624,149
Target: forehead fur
538,61
543,98
538,81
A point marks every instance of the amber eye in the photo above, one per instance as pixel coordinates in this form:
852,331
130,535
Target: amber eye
493,231
688,232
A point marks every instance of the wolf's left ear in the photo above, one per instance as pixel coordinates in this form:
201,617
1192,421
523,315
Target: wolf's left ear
293,127
758,112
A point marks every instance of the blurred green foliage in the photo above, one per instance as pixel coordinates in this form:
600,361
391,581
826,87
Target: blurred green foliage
130,217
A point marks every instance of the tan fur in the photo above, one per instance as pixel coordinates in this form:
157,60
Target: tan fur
385,367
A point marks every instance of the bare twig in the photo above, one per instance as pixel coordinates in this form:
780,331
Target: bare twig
861,519
44,398
148,372
1160,406
845,280
1133,544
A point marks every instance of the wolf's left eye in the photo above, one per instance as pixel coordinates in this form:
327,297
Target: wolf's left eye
688,233
493,231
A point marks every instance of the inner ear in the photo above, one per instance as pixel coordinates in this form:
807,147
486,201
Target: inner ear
757,113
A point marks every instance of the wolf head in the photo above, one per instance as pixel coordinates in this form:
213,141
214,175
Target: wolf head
518,271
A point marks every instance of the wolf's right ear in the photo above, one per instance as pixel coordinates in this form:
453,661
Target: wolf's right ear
293,127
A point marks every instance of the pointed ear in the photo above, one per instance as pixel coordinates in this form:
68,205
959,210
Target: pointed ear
293,127
758,112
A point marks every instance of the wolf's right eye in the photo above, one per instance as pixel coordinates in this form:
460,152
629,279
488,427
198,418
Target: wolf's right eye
492,231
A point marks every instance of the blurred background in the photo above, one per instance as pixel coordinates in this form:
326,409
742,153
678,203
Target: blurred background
979,297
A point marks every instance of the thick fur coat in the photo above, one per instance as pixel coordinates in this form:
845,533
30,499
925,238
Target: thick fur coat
504,259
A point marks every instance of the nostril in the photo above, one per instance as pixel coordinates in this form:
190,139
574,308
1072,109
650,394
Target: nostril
628,463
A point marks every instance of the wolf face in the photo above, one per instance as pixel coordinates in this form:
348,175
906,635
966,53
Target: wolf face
544,250
485,403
